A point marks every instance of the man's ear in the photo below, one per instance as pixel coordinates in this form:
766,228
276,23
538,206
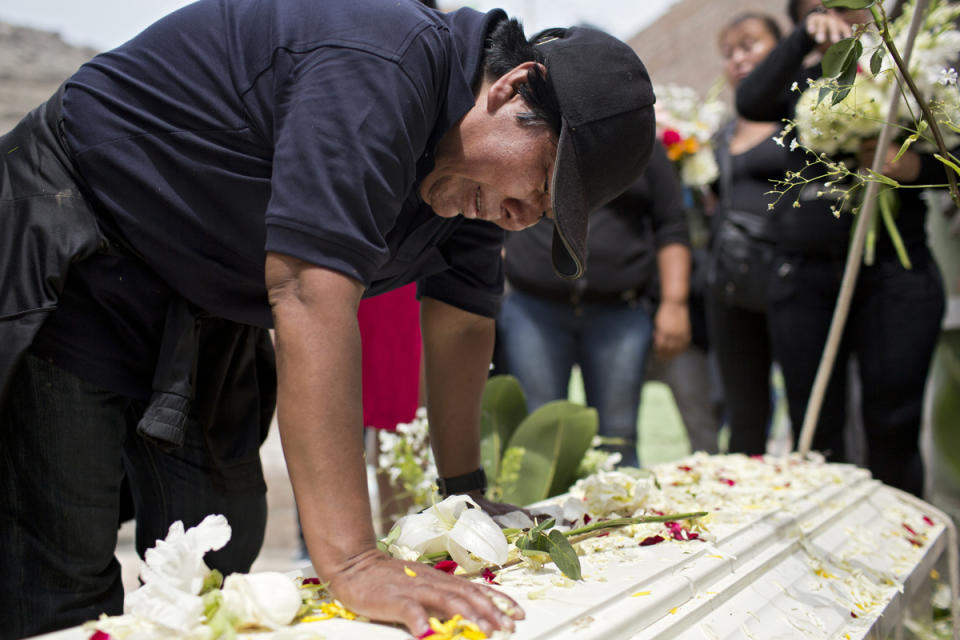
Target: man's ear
505,87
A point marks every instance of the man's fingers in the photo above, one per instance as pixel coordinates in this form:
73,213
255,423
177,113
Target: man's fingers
473,602
394,591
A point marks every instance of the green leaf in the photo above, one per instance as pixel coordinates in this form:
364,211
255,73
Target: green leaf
876,61
845,81
390,538
555,545
502,408
887,180
213,580
837,58
906,145
870,244
823,93
945,406
554,439
889,204
848,4
564,555
949,163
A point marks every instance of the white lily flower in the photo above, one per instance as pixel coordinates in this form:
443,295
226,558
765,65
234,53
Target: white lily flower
177,560
453,526
173,574
267,599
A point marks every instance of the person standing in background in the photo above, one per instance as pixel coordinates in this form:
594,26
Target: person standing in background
741,244
607,321
895,312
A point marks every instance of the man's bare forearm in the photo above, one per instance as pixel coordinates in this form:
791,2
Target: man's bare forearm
319,408
458,347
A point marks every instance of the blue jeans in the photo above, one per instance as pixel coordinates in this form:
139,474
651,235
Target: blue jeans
65,448
541,340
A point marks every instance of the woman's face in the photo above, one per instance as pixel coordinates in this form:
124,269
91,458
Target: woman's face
743,46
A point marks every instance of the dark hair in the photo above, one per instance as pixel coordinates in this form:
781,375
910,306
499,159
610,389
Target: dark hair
768,23
506,48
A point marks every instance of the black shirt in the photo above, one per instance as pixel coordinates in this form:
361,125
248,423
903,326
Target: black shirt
235,127
624,237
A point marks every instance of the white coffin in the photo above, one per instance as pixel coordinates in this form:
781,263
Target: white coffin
794,550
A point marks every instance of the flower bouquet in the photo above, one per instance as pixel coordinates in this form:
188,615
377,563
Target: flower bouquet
686,124
859,109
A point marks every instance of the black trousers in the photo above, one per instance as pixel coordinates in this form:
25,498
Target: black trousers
740,339
893,327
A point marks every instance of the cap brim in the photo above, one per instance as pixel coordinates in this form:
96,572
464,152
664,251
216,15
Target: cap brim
570,210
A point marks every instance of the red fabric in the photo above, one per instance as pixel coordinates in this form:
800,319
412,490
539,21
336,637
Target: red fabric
390,331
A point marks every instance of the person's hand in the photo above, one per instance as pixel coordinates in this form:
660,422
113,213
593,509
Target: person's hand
671,329
377,586
906,169
826,28
496,508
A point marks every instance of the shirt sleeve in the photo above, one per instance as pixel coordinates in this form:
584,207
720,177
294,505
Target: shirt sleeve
474,280
765,94
666,201
349,128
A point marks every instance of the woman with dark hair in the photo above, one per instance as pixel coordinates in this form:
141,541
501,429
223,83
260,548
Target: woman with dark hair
895,315
741,243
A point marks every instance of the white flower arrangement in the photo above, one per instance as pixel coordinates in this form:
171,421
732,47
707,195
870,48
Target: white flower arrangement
456,526
829,128
686,124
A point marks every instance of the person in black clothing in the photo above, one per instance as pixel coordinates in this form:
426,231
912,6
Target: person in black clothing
604,322
741,243
895,315
245,165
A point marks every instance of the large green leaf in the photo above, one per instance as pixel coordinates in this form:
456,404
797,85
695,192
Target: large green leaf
554,439
502,409
848,4
945,383
840,56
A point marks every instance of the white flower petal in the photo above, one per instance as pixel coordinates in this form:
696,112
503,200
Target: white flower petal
480,535
269,599
421,531
450,508
166,606
177,560
462,557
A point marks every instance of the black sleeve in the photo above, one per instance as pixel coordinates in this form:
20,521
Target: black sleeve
666,201
765,94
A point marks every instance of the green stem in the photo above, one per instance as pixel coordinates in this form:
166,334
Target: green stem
880,18
625,522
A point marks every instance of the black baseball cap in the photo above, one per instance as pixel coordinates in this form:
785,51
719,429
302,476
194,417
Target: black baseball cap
606,133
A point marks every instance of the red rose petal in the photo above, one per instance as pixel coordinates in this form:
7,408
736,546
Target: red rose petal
447,566
928,521
489,576
311,581
910,529
646,542
427,634
100,635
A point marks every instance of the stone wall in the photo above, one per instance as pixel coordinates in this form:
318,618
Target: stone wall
681,46
33,63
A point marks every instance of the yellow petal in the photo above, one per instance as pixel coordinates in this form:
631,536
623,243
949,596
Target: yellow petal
640,593
410,572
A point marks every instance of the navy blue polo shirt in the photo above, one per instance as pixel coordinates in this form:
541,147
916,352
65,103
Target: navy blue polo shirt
235,127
